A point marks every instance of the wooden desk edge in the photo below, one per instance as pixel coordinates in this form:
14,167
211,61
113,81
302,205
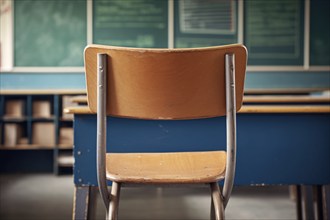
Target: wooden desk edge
286,99
284,90
245,109
285,109
83,91
77,110
259,99
80,99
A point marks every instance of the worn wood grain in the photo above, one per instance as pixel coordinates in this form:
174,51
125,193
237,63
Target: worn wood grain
165,83
187,167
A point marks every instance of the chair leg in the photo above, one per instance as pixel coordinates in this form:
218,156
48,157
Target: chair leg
114,201
212,212
219,212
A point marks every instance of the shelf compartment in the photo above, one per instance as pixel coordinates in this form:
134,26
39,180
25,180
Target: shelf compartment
65,160
42,109
66,136
14,108
14,134
43,133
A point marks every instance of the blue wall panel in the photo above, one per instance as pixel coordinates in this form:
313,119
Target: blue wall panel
254,80
42,81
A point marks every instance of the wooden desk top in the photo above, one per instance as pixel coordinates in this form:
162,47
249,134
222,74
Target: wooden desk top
245,109
276,92
259,99
284,91
77,110
286,99
285,109
81,99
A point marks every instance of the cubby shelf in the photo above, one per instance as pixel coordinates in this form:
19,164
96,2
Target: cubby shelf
27,147
33,121
65,160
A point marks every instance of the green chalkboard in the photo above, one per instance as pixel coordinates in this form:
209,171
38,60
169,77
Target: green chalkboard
132,23
320,32
274,32
198,23
49,33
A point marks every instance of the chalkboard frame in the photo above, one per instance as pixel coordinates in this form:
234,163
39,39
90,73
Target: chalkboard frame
78,31
321,42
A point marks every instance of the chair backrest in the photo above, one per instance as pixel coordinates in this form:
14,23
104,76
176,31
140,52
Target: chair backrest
165,83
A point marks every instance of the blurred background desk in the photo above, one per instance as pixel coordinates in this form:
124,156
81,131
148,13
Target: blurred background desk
277,144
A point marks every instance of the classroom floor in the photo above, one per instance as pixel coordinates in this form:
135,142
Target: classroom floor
45,196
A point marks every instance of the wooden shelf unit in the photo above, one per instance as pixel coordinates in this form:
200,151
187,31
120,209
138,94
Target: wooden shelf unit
27,116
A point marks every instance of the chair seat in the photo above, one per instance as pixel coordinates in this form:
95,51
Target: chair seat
182,167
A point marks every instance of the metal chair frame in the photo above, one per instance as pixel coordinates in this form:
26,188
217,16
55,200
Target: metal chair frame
219,199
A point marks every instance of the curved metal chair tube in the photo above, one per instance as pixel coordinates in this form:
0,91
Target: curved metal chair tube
101,128
231,126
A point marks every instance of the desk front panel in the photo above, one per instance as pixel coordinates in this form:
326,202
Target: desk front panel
272,148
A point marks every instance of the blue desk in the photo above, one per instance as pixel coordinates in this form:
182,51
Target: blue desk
274,147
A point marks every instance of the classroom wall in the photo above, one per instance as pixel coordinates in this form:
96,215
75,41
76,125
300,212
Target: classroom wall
48,38
254,80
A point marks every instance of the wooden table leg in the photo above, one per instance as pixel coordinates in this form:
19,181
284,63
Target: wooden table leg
94,192
307,202
317,200
326,201
297,195
83,202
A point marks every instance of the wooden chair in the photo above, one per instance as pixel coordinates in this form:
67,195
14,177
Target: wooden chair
166,84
